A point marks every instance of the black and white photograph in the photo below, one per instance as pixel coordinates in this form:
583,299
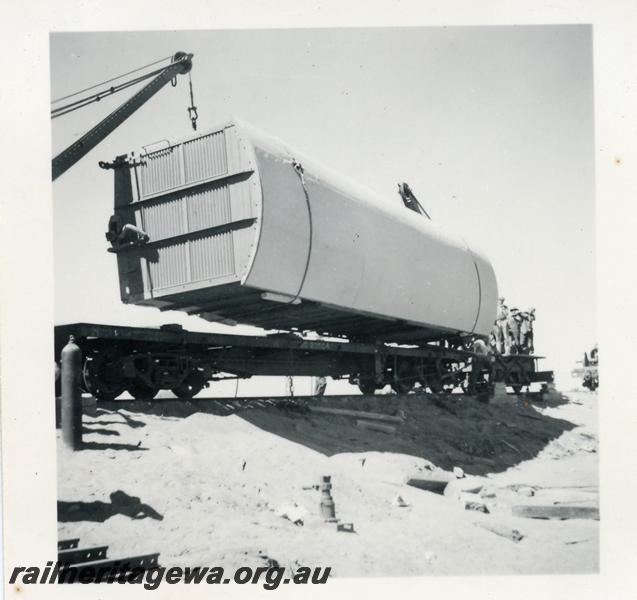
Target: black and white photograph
322,327
324,306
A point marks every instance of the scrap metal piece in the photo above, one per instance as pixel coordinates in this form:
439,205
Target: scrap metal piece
68,544
82,555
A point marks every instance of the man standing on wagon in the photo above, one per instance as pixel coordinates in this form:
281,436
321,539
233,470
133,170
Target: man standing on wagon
501,328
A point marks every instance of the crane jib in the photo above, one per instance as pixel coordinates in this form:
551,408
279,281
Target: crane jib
68,157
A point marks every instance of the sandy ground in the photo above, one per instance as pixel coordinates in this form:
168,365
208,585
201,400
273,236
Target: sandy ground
205,488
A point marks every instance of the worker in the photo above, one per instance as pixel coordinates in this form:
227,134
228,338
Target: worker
513,323
500,330
493,337
526,331
132,235
481,364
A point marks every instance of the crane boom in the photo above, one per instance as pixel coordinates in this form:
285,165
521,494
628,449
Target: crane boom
182,63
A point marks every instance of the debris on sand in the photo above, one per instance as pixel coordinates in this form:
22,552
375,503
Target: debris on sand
556,511
524,490
467,485
477,506
458,472
399,501
502,530
293,512
435,484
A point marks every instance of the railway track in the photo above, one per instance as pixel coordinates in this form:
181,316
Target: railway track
222,406
229,405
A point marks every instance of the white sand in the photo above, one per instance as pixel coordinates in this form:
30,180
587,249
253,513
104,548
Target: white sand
216,511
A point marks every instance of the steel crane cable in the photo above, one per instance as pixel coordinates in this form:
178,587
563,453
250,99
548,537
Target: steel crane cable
92,87
192,109
67,108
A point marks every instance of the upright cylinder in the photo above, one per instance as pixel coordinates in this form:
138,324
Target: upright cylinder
71,359
328,508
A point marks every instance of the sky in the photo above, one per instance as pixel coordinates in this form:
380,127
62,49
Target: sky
492,127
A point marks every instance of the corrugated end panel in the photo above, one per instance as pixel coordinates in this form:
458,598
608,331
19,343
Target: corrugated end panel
161,171
178,199
208,207
211,256
170,267
183,164
205,157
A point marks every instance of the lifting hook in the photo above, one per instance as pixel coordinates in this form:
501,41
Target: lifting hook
192,109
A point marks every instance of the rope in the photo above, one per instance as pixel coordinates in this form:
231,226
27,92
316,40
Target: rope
298,168
67,108
92,87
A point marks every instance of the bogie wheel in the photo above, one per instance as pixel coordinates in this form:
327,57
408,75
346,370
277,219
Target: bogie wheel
190,386
102,378
405,378
141,391
402,387
367,387
434,378
435,385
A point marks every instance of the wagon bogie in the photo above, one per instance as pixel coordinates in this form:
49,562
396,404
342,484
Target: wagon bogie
102,376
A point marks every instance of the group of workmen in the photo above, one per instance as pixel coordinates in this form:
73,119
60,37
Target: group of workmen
512,331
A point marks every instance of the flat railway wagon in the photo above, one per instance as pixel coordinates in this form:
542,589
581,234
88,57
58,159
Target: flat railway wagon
143,361
236,227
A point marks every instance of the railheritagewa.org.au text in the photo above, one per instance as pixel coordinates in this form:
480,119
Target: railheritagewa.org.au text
270,578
